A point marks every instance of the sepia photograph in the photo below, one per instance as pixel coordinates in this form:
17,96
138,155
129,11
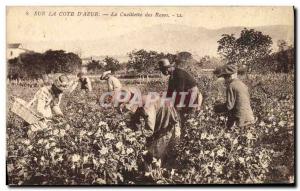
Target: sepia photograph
150,95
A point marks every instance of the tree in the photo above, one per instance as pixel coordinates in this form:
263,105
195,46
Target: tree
282,45
228,48
184,56
95,66
58,61
32,65
144,62
280,61
14,70
209,62
284,57
186,61
248,50
111,64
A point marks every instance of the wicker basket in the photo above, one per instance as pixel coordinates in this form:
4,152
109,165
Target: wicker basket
19,107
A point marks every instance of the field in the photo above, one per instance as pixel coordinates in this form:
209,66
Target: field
96,146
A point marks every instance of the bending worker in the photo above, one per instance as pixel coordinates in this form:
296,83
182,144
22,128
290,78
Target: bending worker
113,83
84,81
46,101
162,126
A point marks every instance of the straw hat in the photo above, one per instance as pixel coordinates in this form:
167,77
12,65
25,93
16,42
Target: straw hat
62,82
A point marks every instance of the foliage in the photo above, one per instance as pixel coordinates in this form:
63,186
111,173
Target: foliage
182,56
94,145
14,70
95,66
281,61
249,49
144,62
33,65
284,57
209,62
111,64
58,61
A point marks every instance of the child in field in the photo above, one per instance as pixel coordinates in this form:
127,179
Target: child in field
237,104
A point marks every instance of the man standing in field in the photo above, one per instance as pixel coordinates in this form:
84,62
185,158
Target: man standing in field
188,98
84,81
237,104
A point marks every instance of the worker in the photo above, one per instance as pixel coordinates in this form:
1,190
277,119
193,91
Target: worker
113,83
46,101
84,82
162,126
187,95
237,106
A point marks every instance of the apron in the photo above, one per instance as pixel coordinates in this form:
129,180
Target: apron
166,133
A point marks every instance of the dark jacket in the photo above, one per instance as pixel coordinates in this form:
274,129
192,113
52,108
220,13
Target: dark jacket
83,84
181,81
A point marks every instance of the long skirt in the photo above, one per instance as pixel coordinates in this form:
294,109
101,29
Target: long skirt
162,147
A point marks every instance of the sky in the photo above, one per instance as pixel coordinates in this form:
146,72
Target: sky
24,27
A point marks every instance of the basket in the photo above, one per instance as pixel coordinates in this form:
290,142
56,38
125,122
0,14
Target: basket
19,107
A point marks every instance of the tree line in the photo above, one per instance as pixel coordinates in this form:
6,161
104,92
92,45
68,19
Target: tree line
251,51
32,65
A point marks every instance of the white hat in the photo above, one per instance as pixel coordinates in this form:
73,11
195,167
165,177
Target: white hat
164,63
105,74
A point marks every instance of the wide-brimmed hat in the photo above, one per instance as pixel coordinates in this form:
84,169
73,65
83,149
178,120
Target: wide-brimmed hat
164,63
62,82
105,74
227,69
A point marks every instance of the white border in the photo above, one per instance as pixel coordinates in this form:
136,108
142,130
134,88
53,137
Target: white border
153,2
5,3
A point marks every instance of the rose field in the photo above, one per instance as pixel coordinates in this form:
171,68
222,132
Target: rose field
93,145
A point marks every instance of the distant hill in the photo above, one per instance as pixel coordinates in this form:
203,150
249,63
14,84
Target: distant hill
164,37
